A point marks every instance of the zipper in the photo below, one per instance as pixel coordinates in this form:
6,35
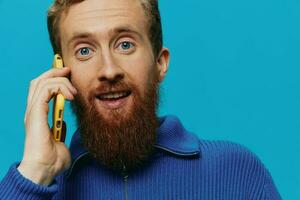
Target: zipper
125,178
74,163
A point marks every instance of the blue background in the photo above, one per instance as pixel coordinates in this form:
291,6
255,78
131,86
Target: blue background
234,75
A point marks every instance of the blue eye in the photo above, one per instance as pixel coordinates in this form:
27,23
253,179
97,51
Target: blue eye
84,51
126,45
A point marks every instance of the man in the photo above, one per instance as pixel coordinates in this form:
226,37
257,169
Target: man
114,62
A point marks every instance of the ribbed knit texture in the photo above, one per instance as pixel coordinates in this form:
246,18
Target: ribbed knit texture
219,171
15,186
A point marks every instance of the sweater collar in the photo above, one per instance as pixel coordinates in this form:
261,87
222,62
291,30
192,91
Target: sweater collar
172,138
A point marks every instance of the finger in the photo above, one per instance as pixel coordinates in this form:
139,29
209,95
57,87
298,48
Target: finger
44,95
59,80
55,72
34,83
54,81
65,81
46,75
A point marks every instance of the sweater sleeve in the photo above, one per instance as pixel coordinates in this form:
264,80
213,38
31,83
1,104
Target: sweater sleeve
16,186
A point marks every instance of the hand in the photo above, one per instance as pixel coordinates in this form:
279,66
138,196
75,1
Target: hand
43,157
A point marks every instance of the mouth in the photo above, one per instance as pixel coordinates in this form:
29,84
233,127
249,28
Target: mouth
113,99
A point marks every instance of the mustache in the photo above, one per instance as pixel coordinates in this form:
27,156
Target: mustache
108,87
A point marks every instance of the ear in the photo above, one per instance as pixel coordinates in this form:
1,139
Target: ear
162,63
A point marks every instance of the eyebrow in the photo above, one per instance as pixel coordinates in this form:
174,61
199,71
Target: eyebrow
118,30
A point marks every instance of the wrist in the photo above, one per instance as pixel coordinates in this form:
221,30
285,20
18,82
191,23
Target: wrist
40,175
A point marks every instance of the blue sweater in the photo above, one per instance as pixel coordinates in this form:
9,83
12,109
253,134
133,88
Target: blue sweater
182,167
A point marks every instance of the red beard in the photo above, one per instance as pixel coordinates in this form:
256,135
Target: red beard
122,140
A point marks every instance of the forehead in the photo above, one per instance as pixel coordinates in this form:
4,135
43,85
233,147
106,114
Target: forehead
102,16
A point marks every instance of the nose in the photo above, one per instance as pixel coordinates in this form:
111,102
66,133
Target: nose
110,71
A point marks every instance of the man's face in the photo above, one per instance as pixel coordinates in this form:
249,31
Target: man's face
107,40
106,45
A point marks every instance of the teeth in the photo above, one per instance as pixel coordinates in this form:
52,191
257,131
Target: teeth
113,95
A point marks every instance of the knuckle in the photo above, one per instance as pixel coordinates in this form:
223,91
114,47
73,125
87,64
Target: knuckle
33,82
64,80
26,117
53,90
40,83
44,83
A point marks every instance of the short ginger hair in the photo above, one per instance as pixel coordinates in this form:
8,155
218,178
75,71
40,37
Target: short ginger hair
150,7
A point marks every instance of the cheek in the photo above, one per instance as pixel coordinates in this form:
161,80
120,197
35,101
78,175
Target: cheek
82,73
141,78
81,80
139,70
138,64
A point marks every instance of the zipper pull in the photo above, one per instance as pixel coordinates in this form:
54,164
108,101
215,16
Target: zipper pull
124,173
125,176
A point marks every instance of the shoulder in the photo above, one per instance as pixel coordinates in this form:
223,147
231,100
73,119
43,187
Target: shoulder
241,165
226,150
232,157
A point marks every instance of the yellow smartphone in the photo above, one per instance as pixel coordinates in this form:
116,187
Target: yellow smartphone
58,107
